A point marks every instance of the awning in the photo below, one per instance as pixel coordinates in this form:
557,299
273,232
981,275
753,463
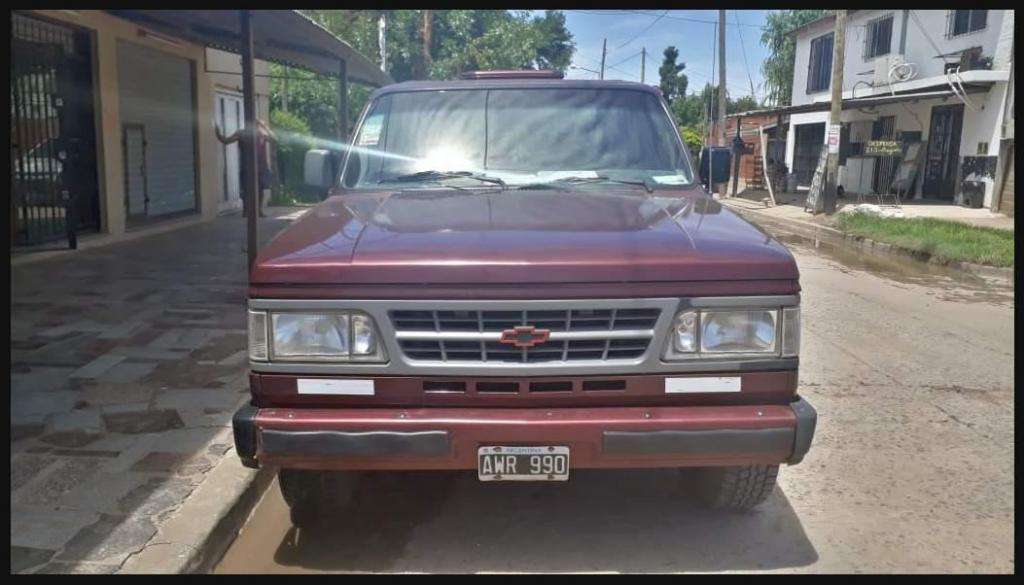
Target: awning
931,92
281,36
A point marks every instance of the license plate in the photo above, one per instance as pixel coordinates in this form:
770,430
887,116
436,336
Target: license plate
523,463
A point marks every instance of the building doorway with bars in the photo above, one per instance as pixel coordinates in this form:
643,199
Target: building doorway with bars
230,119
54,188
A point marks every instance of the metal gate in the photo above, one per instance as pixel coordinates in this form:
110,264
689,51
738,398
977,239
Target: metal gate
884,128
54,190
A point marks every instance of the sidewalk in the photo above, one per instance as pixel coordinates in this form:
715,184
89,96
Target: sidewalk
790,218
127,362
791,207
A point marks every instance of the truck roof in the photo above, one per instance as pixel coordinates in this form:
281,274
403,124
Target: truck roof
513,83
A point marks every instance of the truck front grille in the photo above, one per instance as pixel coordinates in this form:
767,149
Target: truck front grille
474,335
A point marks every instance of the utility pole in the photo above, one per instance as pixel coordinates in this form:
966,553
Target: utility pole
249,157
427,31
284,90
604,53
721,79
720,138
382,28
832,135
643,63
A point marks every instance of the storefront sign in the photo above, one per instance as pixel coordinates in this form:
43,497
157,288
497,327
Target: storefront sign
832,138
882,148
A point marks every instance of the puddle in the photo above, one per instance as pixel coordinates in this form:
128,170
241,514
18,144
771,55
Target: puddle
949,284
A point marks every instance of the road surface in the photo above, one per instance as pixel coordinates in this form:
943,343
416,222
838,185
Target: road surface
911,469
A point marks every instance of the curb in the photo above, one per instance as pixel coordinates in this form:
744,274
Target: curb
820,233
196,538
99,241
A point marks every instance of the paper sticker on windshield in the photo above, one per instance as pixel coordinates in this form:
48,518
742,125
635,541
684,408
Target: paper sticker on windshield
370,133
671,179
558,175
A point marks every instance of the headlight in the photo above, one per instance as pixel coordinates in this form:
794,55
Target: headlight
329,336
737,332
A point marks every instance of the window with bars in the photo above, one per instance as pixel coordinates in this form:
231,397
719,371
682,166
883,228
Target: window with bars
962,22
878,40
819,71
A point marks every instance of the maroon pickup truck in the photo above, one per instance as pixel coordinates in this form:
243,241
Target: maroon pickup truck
520,275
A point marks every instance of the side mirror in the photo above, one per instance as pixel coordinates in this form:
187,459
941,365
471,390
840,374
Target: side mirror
317,169
719,158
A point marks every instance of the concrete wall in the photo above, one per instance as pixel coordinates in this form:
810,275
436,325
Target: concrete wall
106,31
995,40
217,60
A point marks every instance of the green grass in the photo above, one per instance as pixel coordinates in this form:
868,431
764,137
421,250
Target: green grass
944,240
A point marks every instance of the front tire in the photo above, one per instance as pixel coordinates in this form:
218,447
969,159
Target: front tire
309,494
736,488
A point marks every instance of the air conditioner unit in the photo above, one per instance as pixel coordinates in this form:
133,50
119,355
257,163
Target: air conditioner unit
883,65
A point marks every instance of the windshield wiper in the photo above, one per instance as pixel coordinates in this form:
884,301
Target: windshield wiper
598,179
438,175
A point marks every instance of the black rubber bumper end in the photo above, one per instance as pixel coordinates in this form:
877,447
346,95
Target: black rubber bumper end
244,426
806,420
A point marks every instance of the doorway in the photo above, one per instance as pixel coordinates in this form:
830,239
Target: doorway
942,158
810,138
53,133
230,118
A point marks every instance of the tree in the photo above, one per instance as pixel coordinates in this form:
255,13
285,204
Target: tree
694,112
693,138
672,80
743,104
778,67
555,45
432,44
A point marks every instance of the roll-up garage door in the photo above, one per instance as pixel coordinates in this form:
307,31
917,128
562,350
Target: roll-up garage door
156,100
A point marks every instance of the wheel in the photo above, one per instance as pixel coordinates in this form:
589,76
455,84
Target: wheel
309,494
736,488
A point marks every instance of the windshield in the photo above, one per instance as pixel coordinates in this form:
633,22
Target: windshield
535,137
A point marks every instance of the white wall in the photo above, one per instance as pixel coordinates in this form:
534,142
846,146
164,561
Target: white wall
218,61
993,39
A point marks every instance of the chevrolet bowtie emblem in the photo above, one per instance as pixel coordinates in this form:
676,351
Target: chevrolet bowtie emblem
525,336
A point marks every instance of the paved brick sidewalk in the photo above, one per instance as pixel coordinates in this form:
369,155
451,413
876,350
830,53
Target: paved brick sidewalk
127,364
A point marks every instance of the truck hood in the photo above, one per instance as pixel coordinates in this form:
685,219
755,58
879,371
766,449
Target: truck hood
521,236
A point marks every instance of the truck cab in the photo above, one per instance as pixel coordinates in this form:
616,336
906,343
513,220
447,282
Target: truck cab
521,275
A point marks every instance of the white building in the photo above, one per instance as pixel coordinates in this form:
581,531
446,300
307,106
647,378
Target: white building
942,78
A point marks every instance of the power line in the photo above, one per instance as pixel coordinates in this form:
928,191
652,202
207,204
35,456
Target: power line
699,20
672,17
633,56
743,49
931,41
655,21
634,75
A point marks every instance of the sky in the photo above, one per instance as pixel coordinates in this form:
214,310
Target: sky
628,31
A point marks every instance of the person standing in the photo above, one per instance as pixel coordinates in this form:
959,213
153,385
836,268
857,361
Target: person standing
266,146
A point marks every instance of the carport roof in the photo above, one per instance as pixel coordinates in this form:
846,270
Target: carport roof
282,36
